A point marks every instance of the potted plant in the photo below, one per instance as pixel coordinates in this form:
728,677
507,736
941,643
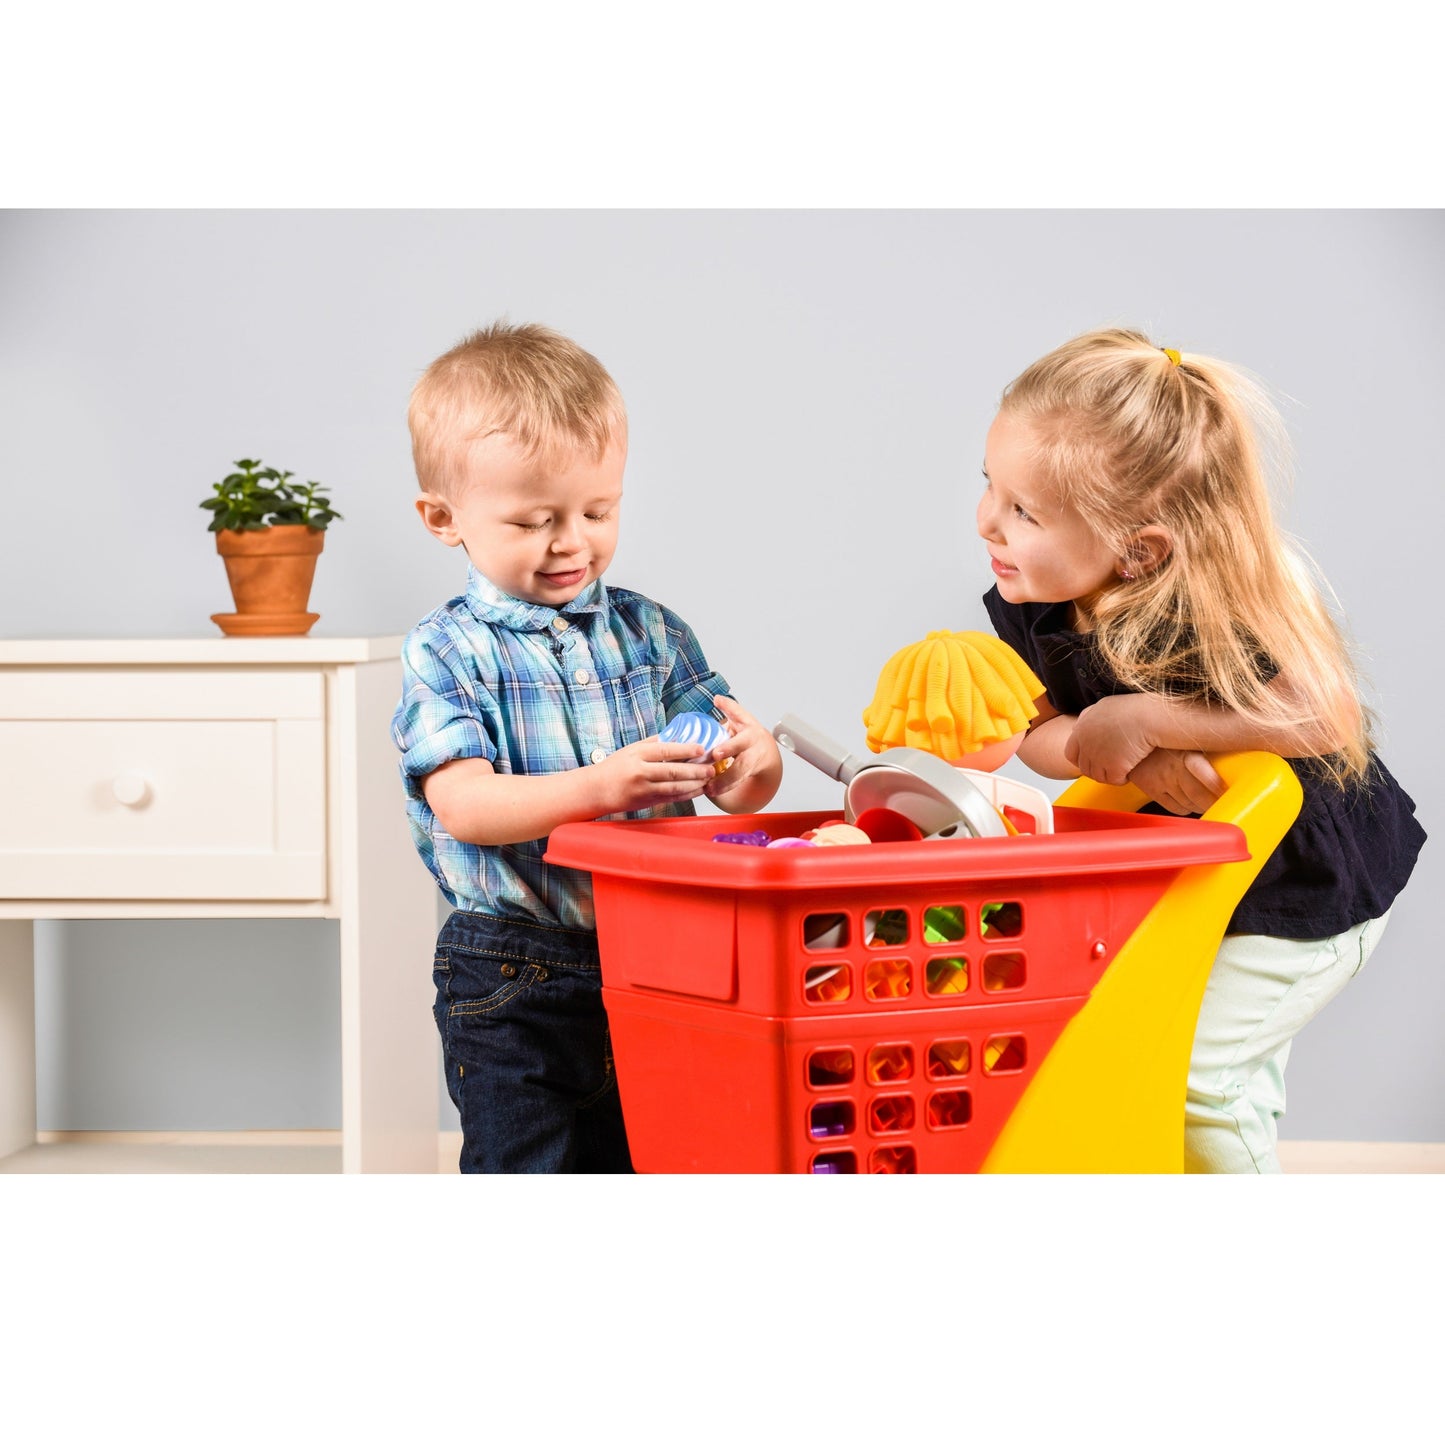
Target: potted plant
269,531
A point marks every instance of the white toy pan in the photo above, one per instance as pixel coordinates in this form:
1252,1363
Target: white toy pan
938,799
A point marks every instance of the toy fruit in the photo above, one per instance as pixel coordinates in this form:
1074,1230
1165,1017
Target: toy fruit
697,727
833,835
883,825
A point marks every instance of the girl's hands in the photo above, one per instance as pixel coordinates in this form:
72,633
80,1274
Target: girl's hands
1180,780
650,773
757,765
1111,738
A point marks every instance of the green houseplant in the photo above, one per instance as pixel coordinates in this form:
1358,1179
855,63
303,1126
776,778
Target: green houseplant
269,532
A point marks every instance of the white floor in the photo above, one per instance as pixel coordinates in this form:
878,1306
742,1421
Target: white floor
287,1152
319,1152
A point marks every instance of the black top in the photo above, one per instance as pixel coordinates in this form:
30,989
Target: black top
1344,858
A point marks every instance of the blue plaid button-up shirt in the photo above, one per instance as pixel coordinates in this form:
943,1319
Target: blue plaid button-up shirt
534,689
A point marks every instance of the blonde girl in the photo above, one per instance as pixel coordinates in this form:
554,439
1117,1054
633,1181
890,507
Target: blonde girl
1141,573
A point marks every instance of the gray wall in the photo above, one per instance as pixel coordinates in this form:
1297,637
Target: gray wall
809,393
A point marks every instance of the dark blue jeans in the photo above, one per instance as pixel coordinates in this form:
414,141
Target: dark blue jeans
526,1048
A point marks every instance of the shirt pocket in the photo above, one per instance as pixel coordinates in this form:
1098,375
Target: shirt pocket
634,701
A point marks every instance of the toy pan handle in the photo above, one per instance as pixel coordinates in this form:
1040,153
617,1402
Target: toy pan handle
816,747
1261,796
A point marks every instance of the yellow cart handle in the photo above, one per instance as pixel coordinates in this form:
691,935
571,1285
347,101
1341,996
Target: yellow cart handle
1109,1097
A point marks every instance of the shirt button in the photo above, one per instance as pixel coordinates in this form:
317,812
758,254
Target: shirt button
560,623
598,754
582,675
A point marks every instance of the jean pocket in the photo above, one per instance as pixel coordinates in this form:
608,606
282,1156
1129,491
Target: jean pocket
481,983
441,977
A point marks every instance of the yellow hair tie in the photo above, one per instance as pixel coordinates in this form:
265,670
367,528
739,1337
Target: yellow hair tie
1170,352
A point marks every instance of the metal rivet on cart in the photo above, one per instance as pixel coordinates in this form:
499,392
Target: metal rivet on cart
1099,949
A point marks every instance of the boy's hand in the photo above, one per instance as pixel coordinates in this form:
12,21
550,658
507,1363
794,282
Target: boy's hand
650,773
1180,780
755,755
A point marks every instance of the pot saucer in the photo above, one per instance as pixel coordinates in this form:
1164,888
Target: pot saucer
265,624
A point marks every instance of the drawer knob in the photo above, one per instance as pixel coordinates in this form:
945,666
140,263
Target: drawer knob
131,789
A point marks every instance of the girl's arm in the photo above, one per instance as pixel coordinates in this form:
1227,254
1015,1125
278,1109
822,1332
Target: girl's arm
1113,736
1179,778
1043,747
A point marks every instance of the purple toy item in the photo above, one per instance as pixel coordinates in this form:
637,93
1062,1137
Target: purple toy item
749,840
791,843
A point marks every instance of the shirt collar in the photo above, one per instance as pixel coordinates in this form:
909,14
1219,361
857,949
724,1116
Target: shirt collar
1055,619
489,603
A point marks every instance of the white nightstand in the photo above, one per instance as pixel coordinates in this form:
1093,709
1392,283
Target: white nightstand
224,778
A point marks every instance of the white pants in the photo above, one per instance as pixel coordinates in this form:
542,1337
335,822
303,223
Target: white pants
1261,993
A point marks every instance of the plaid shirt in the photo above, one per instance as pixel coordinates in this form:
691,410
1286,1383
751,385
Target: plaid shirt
535,689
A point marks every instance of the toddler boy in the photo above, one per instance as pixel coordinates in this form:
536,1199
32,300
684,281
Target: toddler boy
534,699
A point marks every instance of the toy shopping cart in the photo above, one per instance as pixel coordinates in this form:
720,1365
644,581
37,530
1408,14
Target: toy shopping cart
1006,1004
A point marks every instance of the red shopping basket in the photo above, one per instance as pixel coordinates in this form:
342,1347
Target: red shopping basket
875,1008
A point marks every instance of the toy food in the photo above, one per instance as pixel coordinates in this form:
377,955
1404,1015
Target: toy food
932,794
757,839
965,697
697,727
883,825
832,835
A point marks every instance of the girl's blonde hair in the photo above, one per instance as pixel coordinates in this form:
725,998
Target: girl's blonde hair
1131,437
529,383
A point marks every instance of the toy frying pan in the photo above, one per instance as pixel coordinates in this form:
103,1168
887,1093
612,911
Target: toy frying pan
933,796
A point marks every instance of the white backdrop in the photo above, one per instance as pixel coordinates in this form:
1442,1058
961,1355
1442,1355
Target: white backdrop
809,393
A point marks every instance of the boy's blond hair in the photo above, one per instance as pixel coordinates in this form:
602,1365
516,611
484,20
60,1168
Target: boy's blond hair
1135,436
529,383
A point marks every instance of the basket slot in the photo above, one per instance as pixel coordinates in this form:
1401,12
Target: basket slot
898,1159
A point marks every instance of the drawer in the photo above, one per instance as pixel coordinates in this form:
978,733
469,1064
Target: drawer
155,783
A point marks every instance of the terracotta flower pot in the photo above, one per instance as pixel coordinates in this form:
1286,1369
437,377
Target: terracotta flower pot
270,573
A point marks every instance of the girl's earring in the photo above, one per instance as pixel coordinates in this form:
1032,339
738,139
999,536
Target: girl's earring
1124,572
